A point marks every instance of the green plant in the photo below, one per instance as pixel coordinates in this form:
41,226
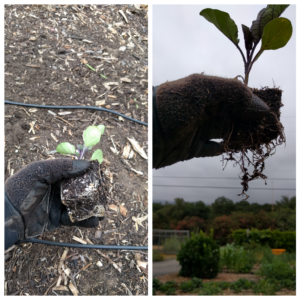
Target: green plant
91,136
156,285
210,288
265,287
197,282
199,257
189,286
289,258
223,285
242,284
267,255
169,287
278,270
272,31
236,258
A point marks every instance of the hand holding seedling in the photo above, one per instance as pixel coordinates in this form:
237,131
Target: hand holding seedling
189,112
85,196
32,199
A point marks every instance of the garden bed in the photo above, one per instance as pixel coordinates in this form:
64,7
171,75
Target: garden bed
249,270
222,277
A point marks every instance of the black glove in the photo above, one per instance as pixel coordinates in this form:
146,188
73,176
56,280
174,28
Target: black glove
189,112
32,199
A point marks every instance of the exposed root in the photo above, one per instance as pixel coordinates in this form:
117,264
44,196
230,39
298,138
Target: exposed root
251,143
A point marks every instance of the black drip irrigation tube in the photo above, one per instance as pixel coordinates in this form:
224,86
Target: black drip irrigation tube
76,107
112,247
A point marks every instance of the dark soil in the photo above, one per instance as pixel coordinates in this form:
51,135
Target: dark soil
85,196
45,64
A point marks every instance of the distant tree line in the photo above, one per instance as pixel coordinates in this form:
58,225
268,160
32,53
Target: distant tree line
224,215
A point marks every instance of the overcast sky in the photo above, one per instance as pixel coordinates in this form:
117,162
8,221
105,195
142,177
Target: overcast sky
185,43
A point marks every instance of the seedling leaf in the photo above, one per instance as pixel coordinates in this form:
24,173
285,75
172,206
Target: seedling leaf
223,22
97,155
276,35
91,136
247,37
66,148
263,18
101,128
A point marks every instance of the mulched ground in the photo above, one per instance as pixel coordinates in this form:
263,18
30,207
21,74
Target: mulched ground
47,49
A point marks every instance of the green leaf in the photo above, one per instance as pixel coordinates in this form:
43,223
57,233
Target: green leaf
223,22
276,35
97,155
247,37
101,128
263,18
66,148
91,136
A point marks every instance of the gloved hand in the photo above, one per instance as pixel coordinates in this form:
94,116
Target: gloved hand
189,112
32,199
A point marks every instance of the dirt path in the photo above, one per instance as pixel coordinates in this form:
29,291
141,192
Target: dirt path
47,49
165,267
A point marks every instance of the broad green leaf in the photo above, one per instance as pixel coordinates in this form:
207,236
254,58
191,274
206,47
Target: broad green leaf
276,35
97,155
247,37
66,148
91,136
263,18
223,22
101,128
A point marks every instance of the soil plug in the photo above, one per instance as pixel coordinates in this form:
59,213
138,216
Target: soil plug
85,195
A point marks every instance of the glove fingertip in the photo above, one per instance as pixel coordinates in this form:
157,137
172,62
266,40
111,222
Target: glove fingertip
89,223
81,165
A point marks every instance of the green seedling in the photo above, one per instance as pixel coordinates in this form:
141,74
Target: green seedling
95,71
91,137
90,67
136,105
272,31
